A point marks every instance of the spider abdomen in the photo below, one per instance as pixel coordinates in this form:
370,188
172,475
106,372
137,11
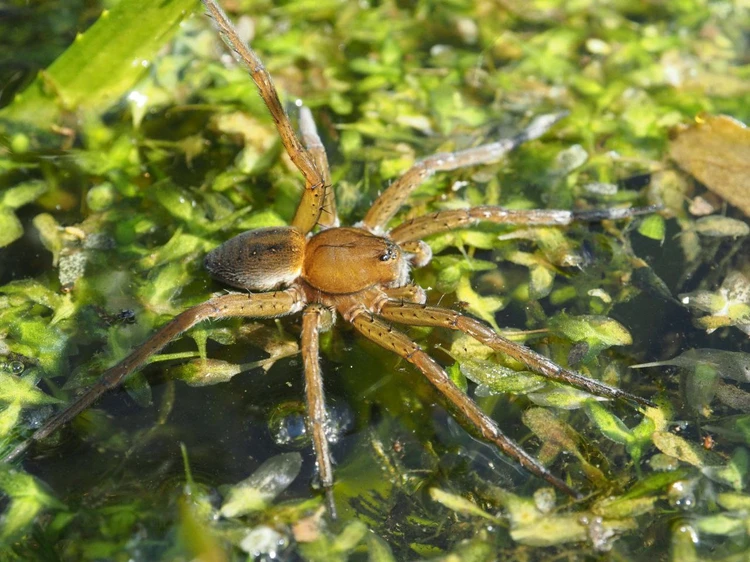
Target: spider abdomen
258,260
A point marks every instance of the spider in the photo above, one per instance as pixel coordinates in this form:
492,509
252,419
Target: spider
360,273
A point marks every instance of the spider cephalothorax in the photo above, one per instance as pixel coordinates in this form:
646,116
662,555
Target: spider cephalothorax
361,273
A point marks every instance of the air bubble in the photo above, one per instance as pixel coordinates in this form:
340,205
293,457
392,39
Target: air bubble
287,424
681,495
16,367
264,543
12,367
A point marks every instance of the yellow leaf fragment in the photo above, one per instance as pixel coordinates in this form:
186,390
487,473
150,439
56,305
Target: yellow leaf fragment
716,151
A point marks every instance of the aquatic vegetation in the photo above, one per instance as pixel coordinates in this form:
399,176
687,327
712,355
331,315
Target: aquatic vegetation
117,208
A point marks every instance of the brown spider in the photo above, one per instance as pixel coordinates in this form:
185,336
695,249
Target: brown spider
360,273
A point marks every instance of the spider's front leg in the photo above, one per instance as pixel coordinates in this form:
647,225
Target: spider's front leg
317,189
261,305
422,315
417,228
328,216
317,416
391,200
397,342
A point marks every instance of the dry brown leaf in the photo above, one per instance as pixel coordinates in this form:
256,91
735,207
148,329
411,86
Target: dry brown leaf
716,151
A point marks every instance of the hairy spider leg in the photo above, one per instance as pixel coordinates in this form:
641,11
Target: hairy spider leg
391,200
317,416
311,204
422,315
407,293
328,216
387,337
260,305
445,221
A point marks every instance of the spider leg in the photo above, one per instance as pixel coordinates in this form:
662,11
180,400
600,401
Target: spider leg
418,252
421,315
392,340
445,221
391,200
310,137
311,205
407,293
316,406
261,305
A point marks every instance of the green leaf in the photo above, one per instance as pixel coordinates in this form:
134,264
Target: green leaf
679,448
619,508
599,332
459,504
256,492
17,390
481,306
22,193
734,501
9,417
610,425
642,434
718,226
27,500
734,473
561,396
655,483
541,282
138,389
350,537
683,543
95,70
498,379
10,227
722,524
551,530
653,227
377,549
456,375
205,372
50,234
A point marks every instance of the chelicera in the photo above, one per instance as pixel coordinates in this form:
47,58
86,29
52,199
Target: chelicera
360,274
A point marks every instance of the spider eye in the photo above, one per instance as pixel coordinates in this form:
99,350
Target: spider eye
390,252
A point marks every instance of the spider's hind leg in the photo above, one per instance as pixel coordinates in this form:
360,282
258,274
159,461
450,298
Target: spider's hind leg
317,416
397,342
421,315
260,305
